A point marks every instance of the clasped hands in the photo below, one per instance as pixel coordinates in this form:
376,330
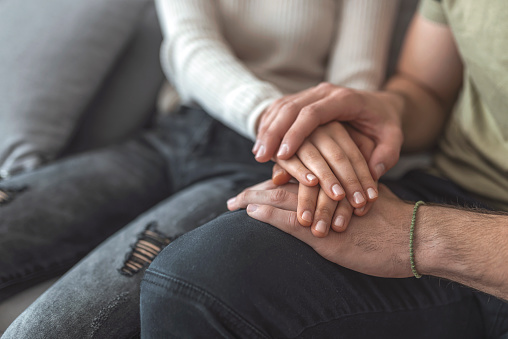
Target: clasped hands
329,159
335,167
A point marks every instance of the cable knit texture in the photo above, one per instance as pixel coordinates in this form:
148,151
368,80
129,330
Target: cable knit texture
234,58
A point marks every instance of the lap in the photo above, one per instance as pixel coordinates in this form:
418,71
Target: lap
256,281
236,276
99,297
56,214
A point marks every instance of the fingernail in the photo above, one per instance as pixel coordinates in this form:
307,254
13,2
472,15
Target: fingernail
339,221
256,146
321,226
337,190
307,216
261,151
311,177
231,201
361,209
252,208
283,150
371,193
380,170
358,198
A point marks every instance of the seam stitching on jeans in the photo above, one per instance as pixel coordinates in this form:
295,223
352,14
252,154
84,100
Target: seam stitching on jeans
384,311
205,293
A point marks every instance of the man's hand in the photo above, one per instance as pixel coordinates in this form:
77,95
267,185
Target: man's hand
375,244
328,212
286,124
466,246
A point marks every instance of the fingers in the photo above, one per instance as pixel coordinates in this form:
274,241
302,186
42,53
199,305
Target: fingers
336,104
282,219
297,170
278,197
342,162
307,201
342,216
324,213
312,158
276,122
350,166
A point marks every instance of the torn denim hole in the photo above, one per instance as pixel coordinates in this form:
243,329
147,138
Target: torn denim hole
149,244
8,194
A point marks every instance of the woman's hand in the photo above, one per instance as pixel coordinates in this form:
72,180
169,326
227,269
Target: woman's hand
289,121
332,151
329,213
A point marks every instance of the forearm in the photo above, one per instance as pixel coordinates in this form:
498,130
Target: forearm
428,80
464,246
423,115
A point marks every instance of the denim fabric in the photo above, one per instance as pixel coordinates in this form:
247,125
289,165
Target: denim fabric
236,277
188,166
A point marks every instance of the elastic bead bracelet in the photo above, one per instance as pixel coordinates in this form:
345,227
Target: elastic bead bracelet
411,238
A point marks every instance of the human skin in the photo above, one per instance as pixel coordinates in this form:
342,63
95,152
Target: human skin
349,150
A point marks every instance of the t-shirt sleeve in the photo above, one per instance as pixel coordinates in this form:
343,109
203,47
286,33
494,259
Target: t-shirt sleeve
433,11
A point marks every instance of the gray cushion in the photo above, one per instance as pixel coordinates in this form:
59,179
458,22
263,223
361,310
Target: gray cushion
125,102
53,58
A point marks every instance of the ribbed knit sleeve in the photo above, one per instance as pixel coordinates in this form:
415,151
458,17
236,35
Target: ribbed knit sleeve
200,64
360,52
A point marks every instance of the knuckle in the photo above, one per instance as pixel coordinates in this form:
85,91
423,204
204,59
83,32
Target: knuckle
324,86
338,156
278,196
266,212
289,108
328,177
313,157
324,212
292,220
307,202
308,111
240,198
350,181
344,93
271,133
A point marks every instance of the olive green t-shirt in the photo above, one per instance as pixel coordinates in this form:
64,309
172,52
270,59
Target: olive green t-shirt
474,149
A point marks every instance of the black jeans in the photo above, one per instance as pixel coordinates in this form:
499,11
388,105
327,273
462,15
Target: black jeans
237,277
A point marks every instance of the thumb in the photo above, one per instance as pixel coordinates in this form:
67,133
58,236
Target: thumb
279,175
384,157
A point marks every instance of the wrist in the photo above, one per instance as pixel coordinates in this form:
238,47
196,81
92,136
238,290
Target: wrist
427,249
395,102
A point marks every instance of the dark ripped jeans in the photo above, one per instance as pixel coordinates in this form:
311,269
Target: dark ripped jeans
161,185
237,277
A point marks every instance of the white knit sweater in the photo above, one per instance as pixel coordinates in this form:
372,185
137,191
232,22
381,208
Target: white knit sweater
235,57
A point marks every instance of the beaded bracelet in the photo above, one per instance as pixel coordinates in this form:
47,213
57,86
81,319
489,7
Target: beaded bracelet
411,238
